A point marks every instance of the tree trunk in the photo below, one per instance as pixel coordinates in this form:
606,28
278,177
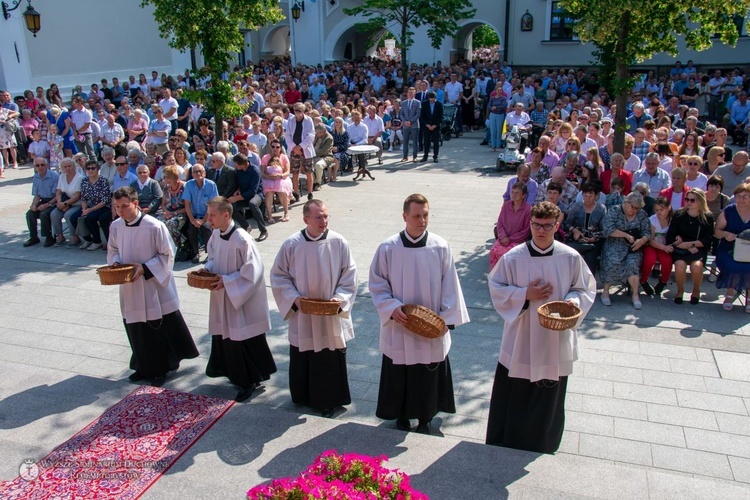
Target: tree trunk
621,63
404,62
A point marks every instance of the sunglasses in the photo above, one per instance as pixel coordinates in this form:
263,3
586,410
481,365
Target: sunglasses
92,168
691,200
120,164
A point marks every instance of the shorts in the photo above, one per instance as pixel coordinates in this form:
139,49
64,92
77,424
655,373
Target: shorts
298,164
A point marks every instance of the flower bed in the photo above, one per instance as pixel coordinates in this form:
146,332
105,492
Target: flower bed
336,476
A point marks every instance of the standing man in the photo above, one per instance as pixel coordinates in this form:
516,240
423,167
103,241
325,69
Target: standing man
299,133
527,409
414,267
430,119
238,319
411,108
80,120
158,130
43,189
454,91
157,333
316,263
169,106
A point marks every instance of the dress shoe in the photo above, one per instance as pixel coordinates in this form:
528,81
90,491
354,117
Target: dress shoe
436,160
31,241
694,300
678,300
158,381
483,143
316,187
309,196
403,424
135,377
245,393
262,236
424,159
424,427
659,288
328,412
196,259
647,289
296,197
49,241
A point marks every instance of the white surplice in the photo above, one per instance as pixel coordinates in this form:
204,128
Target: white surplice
239,311
425,276
528,350
145,241
322,269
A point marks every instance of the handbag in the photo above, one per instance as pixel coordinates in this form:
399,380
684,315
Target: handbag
742,247
11,125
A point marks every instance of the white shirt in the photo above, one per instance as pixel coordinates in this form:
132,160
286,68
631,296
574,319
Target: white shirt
517,119
453,91
375,125
80,118
168,105
357,133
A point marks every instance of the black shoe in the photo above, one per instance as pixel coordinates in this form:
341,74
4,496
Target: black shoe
647,289
659,288
694,300
316,187
245,393
424,427
328,412
403,424
436,160
49,241
483,143
296,197
309,196
31,241
135,377
424,159
196,259
678,300
262,236
158,381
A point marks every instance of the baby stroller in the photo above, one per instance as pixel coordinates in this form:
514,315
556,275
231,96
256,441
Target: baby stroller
447,126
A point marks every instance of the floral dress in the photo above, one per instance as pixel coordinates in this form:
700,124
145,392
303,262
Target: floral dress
618,262
341,142
56,153
174,202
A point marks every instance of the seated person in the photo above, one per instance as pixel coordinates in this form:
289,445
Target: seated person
172,207
149,192
197,192
733,275
513,223
657,248
584,226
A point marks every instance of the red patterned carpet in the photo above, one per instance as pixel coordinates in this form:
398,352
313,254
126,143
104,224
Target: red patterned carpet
123,452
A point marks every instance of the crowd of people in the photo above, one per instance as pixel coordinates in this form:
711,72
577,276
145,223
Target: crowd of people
677,195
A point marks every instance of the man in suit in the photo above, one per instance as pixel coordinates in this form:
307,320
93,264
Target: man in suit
222,174
248,194
430,119
411,108
421,96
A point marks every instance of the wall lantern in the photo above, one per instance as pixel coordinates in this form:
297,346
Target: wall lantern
297,9
527,22
32,17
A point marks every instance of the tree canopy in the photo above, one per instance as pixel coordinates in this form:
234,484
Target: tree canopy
484,36
213,28
627,32
402,16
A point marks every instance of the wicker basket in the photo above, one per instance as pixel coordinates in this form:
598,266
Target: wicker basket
558,315
109,275
423,321
319,307
202,279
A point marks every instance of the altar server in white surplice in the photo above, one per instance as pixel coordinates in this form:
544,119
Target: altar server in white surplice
238,319
158,335
316,263
415,267
527,409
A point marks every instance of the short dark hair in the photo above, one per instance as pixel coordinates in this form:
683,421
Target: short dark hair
125,192
715,180
555,186
414,198
521,186
240,159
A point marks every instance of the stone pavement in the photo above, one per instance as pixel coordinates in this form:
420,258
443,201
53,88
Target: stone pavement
658,406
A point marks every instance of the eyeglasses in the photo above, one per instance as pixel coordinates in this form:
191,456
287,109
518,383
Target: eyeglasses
690,200
275,147
693,163
120,164
40,164
545,227
92,168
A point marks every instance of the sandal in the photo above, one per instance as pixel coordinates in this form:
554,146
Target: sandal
728,303
285,219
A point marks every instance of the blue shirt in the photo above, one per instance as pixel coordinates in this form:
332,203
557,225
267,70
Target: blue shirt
198,197
120,181
740,112
44,187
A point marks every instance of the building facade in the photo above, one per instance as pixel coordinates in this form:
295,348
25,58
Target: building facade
83,41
